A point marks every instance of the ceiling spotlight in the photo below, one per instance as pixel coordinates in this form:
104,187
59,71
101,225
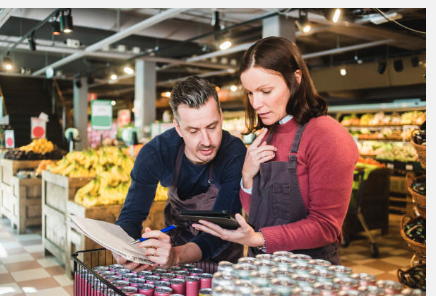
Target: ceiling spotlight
7,63
166,94
113,76
66,21
381,67
233,88
55,28
303,23
415,62
343,71
333,14
128,70
398,65
226,44
113,103
31,41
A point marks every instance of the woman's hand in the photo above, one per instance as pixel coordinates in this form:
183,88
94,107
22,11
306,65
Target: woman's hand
244,235
158,248
257,153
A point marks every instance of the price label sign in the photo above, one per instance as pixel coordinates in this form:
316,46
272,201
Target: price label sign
101,115
390,165
38,128
9,139
123,117
409,167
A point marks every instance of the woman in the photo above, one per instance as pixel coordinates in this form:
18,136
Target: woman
298,172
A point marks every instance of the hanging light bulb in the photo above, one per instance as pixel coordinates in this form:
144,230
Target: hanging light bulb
8,64
343,71
233,88
226,44
113,103
128,70
113,76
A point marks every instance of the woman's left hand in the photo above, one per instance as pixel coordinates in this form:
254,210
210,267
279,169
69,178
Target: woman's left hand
244,235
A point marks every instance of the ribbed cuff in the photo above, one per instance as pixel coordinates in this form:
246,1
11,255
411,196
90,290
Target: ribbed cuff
249,190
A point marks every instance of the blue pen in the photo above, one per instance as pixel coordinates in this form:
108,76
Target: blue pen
171,227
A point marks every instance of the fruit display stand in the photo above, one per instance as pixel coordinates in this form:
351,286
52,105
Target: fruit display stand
57,190
108,213
21,202
17,195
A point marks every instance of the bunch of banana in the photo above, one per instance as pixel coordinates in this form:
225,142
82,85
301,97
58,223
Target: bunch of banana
92,188
161,193
119,175
41,145
126,162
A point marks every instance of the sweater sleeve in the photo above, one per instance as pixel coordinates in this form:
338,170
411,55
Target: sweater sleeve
329,158
245,200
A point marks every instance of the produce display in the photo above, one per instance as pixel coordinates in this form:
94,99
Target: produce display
38,149
415,230
404,153
44,165
380,118
382,134
362,162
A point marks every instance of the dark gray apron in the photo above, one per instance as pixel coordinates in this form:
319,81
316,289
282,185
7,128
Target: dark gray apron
276,200
184,231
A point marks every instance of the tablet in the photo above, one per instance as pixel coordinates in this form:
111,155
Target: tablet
221,218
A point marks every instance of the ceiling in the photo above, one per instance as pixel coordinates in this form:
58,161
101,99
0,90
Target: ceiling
182,42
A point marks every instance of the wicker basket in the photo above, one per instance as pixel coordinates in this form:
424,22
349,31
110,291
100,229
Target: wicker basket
421,211
420,150
419,199
416,247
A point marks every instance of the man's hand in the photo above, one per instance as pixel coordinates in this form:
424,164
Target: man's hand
132,265
158,248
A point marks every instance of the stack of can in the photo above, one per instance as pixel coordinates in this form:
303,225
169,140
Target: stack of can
177,280
288,274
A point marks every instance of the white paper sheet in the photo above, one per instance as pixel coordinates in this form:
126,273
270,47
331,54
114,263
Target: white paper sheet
111,237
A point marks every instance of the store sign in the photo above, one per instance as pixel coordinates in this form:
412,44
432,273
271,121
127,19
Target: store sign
124,117
101,115
38,128
92,97
9,139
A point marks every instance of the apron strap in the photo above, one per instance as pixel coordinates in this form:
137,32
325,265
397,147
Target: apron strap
178,165
296,142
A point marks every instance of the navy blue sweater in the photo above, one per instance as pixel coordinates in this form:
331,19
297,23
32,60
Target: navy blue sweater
156,162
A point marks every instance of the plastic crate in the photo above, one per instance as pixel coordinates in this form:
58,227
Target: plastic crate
87,282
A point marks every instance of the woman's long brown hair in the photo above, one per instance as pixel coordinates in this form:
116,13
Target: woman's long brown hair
283,57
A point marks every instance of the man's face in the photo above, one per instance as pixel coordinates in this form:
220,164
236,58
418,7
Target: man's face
201,131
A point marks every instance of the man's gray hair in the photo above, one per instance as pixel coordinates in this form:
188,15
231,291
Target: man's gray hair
194,92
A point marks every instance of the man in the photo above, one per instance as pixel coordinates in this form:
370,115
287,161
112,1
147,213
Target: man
201,164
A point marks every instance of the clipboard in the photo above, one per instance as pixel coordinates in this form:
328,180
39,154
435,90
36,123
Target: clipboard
222,218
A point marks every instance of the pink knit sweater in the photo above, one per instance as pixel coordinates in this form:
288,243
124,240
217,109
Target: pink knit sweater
326,159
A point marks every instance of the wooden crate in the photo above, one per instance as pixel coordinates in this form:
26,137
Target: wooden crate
9,168
57,190
21,202
78,242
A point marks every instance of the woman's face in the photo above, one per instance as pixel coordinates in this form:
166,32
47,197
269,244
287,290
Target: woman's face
267,92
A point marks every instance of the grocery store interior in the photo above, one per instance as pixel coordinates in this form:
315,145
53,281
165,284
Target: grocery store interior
83,89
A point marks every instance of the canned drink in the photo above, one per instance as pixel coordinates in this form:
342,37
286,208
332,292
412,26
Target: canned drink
412,292
327,288
323,275
159,271
372,291
346,283
205,280
265,291
144,273
106,273
113,278
79,279
351,293
283,262
162,291
111,292
223,279
161,284
249,260
181,274
282,273
283,286
304,280
113,267
224,291
265,256
195,271
225,267
390,287
302,268
137,294
120,284
177,294
300,257
265,265
167,276
244,286
129,290
99,269
174,268
205,292
192,285
135,282
146,289
129,276
178,286
320,263
340,270
120,271
243,270
187,266
261,279
364,279
150,279
99,290
283,254
306,291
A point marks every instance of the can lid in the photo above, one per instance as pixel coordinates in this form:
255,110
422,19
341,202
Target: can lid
163,290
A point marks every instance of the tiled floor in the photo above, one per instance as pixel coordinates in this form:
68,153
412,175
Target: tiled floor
25,271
